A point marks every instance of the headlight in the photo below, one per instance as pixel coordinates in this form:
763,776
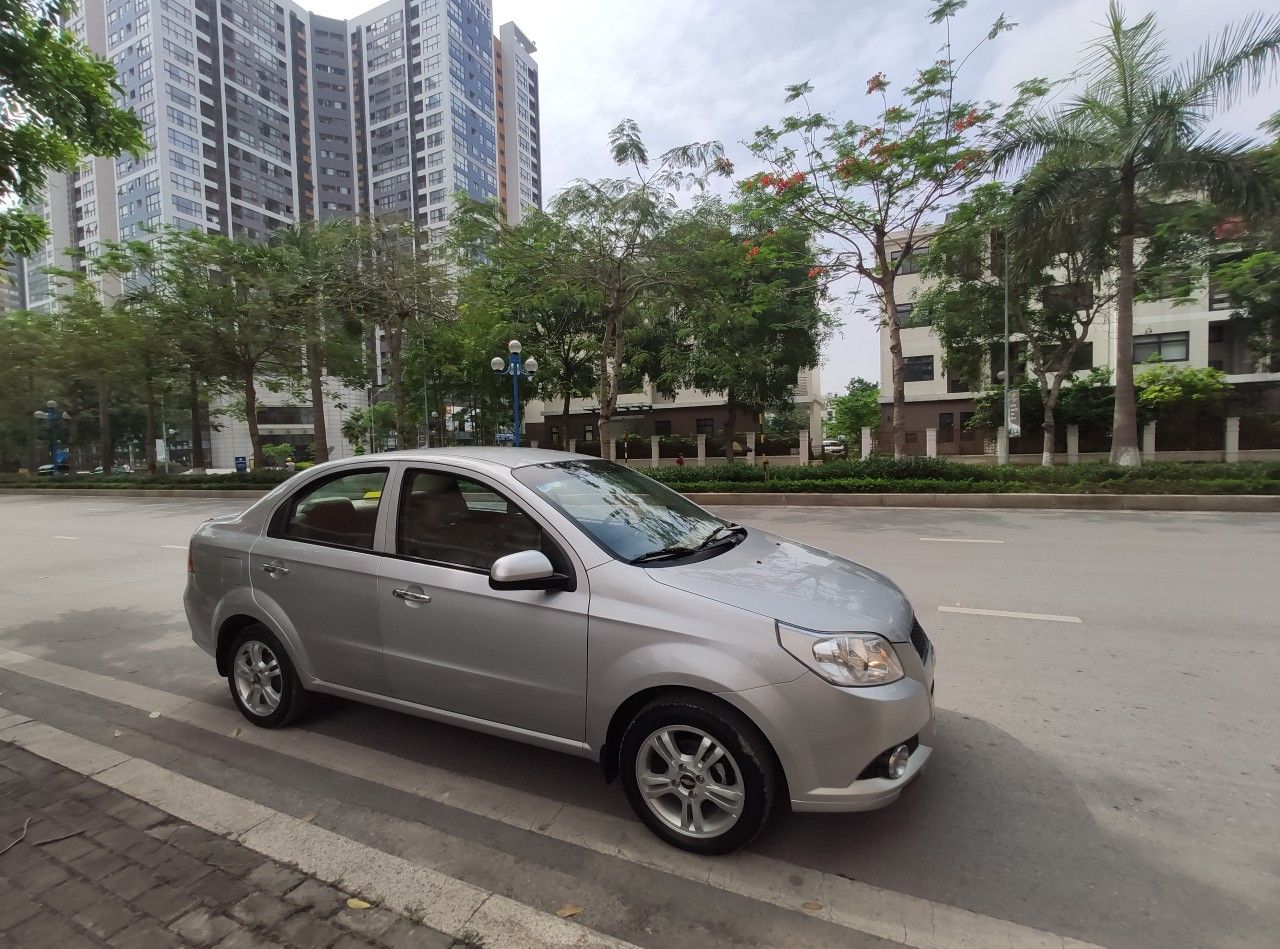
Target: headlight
852,659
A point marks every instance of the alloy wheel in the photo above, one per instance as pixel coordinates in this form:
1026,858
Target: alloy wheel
258,677
690,781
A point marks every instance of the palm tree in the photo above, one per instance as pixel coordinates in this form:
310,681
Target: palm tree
1140,129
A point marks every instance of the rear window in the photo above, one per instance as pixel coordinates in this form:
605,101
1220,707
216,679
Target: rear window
340,511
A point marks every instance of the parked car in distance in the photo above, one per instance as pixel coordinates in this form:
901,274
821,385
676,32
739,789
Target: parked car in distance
572,603
834,448
51,470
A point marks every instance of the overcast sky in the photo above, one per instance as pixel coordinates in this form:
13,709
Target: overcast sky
691,70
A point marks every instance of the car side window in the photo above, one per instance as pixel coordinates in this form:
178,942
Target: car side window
457,522
341,511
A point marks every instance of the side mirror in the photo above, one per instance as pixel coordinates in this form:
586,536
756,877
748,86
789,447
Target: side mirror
527,570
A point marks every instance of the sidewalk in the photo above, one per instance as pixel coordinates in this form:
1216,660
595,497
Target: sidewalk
98,868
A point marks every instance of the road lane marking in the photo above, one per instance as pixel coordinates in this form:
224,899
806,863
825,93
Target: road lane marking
440,901
64,537
960,540
173,546
909,920
1050,617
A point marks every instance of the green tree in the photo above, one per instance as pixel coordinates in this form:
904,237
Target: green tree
393,280
875,185
1239,255
857,408
59,100
1140,130
1161,387
560,326
1055,283
616,244
312,254
28,346
749,324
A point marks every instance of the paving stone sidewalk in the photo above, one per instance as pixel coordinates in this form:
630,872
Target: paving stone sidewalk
125,874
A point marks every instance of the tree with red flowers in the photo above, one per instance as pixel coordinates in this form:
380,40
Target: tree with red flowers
876,186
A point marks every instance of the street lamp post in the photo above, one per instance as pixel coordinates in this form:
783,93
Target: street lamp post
511,366
50,416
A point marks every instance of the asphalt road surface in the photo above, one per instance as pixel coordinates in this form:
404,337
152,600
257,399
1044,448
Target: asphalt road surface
1107,769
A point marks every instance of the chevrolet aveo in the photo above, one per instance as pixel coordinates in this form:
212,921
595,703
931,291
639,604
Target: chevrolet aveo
574,604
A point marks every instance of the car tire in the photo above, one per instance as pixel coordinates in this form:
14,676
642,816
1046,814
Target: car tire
694,809
264,683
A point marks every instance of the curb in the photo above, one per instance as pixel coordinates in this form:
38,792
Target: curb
1237,503
1249,503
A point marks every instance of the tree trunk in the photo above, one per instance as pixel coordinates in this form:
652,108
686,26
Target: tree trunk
1124,424
315,372
197,430
608,374
105,448
564,428
33,447
149,435
251,417
899,381
394,342
730,425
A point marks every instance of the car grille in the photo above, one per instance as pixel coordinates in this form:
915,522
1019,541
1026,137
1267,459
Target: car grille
920,640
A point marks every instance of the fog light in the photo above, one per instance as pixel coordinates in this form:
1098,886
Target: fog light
898,761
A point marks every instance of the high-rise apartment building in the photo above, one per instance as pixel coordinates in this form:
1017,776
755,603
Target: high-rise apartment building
259,113
519,143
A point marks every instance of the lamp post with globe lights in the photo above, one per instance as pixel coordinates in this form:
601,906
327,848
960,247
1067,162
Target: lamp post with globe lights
51,415
511,366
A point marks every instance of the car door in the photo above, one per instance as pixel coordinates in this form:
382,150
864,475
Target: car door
317,567
515,657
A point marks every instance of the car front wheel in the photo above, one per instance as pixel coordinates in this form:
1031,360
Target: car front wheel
698,776
264,684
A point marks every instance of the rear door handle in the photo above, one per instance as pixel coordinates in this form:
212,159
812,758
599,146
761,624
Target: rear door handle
275,569
411,596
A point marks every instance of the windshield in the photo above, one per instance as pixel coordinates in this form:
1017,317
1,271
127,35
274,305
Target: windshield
626,513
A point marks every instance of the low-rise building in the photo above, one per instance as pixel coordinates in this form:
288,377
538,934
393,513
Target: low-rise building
1198,333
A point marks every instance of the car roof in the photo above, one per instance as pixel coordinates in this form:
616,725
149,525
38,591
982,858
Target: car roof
488,454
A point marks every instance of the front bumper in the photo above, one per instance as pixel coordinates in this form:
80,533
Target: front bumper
825,736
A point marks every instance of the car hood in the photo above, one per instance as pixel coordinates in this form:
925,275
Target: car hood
796,584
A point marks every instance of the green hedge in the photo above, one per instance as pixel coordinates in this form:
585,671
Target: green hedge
874,475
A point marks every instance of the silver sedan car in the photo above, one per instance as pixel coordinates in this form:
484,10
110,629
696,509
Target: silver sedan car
574,604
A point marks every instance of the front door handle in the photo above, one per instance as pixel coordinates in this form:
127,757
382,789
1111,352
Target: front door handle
411,596
275,569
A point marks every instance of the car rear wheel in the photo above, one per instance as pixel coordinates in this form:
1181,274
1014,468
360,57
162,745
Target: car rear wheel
700,777
264,683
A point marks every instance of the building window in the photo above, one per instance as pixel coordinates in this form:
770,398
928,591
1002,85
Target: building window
284,415
912,262
1162,347
555,435
588,432
705,426
956,384
903,312
946,426
1068,296
662,426
1083,359
1217,332
917,369
965,419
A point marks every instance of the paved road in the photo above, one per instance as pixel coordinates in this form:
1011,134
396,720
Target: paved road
1108,765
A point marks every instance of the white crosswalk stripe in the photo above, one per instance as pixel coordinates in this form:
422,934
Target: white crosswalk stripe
909,920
